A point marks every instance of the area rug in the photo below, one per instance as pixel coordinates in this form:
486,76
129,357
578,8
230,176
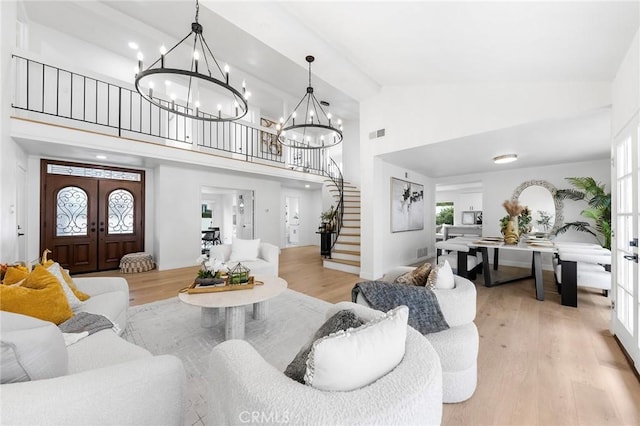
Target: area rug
172,327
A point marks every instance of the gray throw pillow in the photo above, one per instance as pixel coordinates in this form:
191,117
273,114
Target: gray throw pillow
342,320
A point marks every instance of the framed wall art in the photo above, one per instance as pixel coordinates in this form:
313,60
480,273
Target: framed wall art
269,143
407,206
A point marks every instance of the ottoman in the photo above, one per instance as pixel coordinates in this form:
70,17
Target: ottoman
136,262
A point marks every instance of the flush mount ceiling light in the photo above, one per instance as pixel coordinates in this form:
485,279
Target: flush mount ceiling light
200,86
314,129
503,159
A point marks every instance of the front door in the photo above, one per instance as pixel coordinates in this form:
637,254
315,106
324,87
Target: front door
91,215
625,321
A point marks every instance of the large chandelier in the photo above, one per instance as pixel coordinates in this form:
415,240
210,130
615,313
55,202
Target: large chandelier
314,129
194,91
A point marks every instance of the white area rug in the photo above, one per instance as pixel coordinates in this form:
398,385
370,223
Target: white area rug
172,327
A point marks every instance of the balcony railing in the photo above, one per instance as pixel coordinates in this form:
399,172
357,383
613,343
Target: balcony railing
56,92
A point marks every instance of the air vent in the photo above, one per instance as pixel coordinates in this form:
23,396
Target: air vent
377,134
422,252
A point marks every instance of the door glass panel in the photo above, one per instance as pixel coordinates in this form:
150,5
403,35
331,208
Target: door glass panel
121,204
71,213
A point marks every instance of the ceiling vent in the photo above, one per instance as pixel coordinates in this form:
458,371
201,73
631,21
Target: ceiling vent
376,134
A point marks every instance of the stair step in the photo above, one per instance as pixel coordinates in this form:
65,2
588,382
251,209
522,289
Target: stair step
350,243
343,267
350,227
351,252
346,262
345,190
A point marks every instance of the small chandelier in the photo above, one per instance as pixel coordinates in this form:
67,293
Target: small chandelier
314,129
192,90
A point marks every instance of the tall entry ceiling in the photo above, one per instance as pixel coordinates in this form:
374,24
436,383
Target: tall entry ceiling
362,46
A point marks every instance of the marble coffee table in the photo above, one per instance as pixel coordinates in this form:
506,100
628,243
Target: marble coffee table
233,304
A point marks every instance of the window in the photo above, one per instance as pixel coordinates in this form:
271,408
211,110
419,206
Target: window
444,213
71,213
121,203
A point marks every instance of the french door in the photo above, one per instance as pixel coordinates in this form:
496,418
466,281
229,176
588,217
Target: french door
625,321
90,216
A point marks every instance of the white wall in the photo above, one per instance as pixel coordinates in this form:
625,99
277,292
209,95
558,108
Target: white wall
435,113
626,88
351,153
381,249
178,206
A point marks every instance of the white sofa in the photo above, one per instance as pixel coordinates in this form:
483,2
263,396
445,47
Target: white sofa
458,346
108,381
245,385
266,264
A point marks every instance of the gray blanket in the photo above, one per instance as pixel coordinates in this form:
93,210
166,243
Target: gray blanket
84,321
424,310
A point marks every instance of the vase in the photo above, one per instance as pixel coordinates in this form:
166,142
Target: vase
208,281
511,235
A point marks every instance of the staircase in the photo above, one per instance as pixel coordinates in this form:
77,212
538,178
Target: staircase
345,255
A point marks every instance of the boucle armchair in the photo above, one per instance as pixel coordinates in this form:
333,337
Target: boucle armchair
458,346
245,387
99,380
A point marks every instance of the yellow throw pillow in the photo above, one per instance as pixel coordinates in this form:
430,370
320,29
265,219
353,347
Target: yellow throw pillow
40,296
67,278
15,274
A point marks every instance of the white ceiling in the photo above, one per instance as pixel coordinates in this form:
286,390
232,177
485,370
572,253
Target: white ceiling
361,46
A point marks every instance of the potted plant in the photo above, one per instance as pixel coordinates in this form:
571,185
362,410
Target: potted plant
598,209
211,271
326,218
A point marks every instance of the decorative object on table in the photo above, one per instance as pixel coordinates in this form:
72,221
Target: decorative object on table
407,206
327,218
196,288
511,230
314,129
209,86
238,275
599,209
211,272
524,221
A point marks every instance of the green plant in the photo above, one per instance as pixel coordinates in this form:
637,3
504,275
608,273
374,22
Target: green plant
445,216
524,221
545,220
598,208
327,215
503,223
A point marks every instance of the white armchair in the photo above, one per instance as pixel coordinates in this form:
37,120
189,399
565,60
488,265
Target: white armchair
266,264
458,346
245,385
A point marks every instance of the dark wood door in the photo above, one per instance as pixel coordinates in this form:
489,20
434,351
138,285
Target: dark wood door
69,222
89,222
120,226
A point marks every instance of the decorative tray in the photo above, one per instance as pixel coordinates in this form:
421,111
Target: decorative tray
198,288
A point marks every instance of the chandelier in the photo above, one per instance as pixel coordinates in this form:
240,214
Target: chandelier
200,86
314,129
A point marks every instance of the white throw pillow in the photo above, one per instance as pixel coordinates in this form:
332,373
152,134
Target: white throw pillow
32,349
441,277
56,271
353,358
242,250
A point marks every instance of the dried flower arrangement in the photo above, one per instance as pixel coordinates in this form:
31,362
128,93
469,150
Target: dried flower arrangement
513,207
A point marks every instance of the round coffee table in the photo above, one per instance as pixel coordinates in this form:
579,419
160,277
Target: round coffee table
233,303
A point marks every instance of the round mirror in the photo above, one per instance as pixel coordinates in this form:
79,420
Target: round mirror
546,210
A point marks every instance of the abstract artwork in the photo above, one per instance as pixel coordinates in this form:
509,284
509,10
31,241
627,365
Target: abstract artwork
407,206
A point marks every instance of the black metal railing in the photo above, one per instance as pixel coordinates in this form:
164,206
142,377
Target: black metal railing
56,92
334,173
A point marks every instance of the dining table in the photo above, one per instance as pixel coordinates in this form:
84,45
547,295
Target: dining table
534,246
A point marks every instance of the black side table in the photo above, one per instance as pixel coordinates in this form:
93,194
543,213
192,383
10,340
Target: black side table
325,243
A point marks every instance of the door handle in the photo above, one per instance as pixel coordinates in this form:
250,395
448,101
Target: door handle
632,257
20,234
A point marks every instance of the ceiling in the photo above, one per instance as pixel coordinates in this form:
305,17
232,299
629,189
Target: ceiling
362,46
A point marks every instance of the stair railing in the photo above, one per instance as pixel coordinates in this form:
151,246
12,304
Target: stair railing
333,172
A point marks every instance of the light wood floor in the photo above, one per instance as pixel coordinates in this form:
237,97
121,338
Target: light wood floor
540,363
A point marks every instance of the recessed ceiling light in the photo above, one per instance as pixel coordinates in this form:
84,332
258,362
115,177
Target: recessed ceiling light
307,186
133,45
503,159
101,157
